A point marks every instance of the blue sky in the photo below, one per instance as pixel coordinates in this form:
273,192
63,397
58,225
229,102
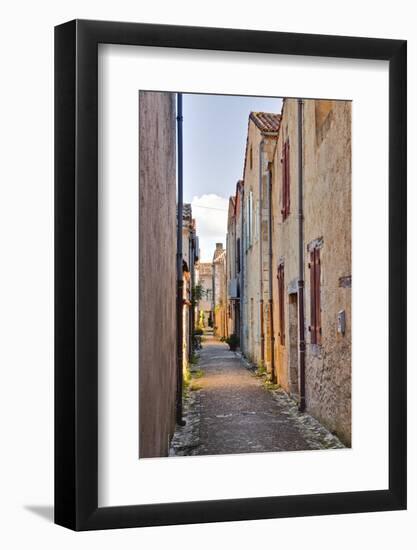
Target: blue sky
214,129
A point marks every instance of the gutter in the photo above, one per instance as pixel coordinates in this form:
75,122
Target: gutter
301,328
261,289
192,283
180,280
270,301
242,270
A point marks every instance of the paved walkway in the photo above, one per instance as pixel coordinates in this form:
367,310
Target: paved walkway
233,412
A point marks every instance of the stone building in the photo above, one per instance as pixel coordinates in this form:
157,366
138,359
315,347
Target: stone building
311,255
205,304
328,262
157,295
190,255
234,262
292,276
219,291
231,275
257,293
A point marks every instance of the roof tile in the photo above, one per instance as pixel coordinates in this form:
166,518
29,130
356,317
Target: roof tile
266,122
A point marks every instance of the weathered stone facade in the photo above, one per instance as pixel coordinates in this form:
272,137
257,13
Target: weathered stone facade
190,255
256,334
157,295
285,253
327,212
234,264
231,268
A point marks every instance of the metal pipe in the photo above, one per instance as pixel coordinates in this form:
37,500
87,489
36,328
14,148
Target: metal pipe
180,280
213,282
301,328
271,304
261,289
192,297
242,281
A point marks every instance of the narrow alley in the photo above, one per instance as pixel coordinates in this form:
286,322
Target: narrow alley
256,269
230,408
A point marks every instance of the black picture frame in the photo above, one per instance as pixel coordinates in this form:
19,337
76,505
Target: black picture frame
76,272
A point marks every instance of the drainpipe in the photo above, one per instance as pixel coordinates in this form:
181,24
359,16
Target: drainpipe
180,280
261,289
242,272
213,282
271,311
301,339
191,307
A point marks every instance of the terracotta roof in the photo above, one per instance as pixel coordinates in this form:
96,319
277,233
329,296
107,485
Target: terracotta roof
266,122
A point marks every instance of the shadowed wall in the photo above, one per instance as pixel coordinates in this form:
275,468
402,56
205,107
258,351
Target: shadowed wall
157,272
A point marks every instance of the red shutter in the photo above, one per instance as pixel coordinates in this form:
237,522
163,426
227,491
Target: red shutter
312,327
281,304
317,295
284,182
287,178
315,306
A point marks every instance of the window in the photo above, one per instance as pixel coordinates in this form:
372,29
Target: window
285,210
250,158
238,256
315,307
281,311
249,220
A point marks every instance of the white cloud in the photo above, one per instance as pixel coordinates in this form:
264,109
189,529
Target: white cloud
210,213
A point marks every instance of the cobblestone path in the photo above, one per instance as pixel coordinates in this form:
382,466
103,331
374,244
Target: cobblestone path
233,412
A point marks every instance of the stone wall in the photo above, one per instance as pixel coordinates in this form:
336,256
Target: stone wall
285,251
157,272
327,222
256,334
327,168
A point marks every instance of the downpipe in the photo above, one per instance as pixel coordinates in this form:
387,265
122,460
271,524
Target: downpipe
180,280
301,322
261,289
271,304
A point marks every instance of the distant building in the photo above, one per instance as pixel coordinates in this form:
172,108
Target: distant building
234,262
219,291
190,254
205,304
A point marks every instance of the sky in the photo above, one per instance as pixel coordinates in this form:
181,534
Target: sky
214,141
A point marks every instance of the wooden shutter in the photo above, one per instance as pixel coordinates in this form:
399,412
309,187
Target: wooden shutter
312,327
315,306
287,178
280,276
283,185
285,210
317,269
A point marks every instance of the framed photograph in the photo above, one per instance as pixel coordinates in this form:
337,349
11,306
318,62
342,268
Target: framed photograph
230,275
